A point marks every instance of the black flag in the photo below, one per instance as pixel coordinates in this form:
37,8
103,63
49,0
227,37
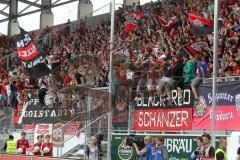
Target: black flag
30,56
200,26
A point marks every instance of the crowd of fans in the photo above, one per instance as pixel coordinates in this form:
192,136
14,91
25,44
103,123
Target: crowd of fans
148,56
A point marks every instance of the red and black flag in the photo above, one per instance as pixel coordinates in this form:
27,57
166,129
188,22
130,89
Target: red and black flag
200,26
30,56
166,24
131,22
195,47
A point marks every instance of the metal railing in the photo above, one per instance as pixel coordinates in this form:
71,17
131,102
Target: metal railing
81,130
222,79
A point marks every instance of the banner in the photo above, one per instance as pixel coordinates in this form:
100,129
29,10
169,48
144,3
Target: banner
33,113
42,129
30,56
29,130
154,101
227,108
163,119
72,128
179,147
58,135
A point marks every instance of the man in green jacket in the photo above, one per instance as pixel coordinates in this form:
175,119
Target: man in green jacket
10,146
189,69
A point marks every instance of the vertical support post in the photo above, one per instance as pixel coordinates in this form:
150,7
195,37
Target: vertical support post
215,53
13,23
89,112
46,16
85,7
110,82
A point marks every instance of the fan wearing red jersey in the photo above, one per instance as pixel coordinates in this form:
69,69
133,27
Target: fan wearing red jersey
36,150
47,147
22,144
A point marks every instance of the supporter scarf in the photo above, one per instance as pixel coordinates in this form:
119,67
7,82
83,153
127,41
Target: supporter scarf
166,24
30,56
200,26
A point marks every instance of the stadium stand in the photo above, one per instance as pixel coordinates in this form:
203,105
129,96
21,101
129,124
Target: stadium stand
148,50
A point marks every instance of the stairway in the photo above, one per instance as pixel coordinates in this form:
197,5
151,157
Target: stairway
78,152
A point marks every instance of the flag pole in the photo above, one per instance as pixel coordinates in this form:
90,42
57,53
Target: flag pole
112,10
214,87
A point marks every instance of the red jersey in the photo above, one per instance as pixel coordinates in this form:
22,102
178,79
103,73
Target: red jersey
40,146
23,143
50,146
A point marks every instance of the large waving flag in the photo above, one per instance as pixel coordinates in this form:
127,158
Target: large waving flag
30,56
200,26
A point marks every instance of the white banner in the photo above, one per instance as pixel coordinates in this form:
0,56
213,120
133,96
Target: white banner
42,129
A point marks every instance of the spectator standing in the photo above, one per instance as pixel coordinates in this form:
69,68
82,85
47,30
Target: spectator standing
22,143
47,147
161,149
177,75
198,153
189,70
148,152
201,72
220,153
42,91
37,146
13,94
92,151
10,146
208,153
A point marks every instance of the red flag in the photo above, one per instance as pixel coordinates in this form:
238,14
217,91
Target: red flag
200,26
130,25
164,23
198,20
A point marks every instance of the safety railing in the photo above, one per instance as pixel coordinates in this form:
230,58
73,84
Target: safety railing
222,79
81,130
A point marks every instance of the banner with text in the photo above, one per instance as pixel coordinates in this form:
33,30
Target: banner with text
146,100
42,129
163,119
227,108
30,56
33,113
179,147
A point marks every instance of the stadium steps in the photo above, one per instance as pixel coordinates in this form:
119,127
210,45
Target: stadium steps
78,152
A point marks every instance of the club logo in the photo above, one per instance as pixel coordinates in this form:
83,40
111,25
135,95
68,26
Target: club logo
201,107
125,152
198,23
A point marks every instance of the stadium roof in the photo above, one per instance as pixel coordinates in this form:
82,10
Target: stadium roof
31,6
